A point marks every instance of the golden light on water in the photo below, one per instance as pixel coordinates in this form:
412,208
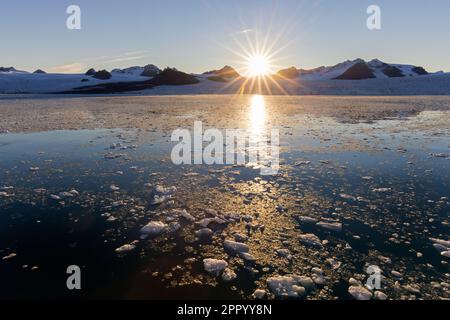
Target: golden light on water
257,114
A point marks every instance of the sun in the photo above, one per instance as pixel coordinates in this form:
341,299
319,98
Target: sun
258,65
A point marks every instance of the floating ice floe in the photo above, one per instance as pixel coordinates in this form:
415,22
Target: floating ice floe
379,295
207,221
34,169
204,233
228,275
302,163
259,294
318,276
360,293
286,286
333,263
55,197
347,196
114,187
306,219
9,256
163,194
111,219
440,245
186,215
235,247
382,190
153,228
311,240
214,266
333,226
125,248
246,256
5,194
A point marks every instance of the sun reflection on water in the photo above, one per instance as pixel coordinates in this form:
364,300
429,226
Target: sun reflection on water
257,115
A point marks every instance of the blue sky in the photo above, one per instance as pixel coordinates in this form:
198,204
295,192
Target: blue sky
198,35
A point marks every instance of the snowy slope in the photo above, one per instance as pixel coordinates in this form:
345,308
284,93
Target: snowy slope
50,83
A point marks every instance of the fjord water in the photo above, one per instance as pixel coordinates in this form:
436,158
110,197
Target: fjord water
379,166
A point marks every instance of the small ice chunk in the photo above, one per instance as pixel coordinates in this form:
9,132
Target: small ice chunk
360,293
306,219
379,295
154,228
333,226
382,190
311,240
125,248
114,187
204,233
286,286
347,196
186,215
259,294
235,247
9,256
228,275
214,266
162,194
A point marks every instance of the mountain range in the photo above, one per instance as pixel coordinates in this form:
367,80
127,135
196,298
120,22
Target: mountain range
348,77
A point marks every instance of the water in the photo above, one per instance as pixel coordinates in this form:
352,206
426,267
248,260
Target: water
350,147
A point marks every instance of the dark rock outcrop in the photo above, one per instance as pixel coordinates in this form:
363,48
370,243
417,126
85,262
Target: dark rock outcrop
7,69
112,87
102,75
39,71
358,71
393,72
173,77
90,72
420,71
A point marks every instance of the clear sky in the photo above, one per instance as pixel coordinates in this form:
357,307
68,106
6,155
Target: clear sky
198,35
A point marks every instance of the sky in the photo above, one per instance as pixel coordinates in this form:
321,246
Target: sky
200,35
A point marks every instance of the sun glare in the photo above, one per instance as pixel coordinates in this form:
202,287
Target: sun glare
258,65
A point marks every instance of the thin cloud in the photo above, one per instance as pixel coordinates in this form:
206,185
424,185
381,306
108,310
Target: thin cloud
245,31
69,68
124,59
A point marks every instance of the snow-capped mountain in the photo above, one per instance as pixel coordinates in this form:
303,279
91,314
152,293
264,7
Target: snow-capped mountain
357,69
351,77
10,70
225,72
149,70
